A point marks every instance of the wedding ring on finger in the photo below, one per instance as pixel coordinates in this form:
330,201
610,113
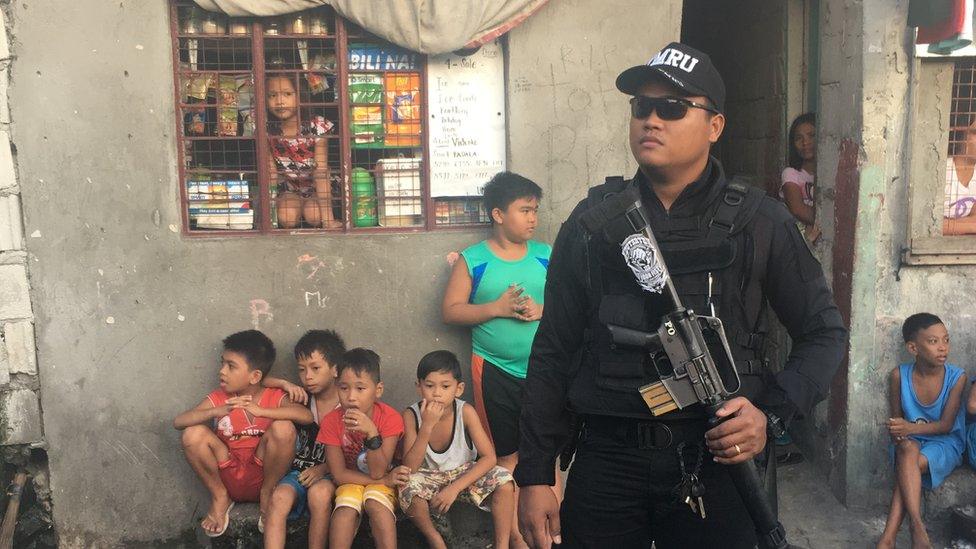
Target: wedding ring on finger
737,449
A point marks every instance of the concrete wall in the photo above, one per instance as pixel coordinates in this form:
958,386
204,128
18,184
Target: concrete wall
824,436
880,140
129,313
568,123
894,138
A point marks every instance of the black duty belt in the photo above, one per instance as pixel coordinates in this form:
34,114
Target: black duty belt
647,434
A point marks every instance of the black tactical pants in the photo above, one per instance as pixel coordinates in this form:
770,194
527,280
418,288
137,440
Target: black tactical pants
619,492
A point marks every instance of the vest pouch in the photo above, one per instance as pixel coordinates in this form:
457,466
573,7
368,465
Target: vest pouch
753,386
694,256
694,291
620,367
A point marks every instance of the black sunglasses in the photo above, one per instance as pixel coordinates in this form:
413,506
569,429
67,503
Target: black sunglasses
667,108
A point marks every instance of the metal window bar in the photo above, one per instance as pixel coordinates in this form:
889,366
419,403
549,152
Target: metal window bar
960,196
237,163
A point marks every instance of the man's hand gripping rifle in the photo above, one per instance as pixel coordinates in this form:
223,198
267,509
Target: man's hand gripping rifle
679,349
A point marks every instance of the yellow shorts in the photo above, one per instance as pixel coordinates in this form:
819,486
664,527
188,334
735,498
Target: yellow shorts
354,496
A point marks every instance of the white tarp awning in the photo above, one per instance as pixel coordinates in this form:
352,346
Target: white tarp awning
425,26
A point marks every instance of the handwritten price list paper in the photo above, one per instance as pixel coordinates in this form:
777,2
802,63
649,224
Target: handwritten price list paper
466,97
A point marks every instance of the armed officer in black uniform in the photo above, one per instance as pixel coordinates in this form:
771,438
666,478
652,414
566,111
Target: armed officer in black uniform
731,250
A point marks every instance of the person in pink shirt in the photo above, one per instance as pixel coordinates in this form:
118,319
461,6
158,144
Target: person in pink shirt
797,182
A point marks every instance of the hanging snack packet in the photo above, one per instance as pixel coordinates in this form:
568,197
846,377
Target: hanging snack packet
317,81
227,94
245,104
227,121
198,86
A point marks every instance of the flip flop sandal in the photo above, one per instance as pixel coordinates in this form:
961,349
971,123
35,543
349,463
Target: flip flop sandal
226,524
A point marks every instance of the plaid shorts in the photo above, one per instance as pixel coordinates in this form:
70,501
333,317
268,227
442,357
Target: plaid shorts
425,483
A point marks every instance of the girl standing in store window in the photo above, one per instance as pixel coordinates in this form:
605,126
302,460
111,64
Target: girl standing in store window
298,160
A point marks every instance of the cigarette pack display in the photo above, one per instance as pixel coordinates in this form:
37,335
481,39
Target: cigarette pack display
237,215
459,210
220,204
366,89
398,186
366,126
402,106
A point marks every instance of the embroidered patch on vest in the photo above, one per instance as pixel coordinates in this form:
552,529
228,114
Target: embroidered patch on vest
644,261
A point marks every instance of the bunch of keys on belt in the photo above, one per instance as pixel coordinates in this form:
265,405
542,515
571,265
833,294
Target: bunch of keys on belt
690,489
694,499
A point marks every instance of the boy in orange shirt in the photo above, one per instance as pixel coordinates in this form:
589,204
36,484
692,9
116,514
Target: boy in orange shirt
252,441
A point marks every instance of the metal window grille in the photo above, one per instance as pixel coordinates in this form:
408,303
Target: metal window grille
960,187
303,123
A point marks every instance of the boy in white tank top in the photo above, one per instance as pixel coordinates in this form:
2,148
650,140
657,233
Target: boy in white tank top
450,455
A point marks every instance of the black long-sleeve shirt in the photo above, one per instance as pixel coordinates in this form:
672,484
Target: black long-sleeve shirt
793,284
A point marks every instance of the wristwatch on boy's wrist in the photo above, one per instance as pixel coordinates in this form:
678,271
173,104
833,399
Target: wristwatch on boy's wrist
373,443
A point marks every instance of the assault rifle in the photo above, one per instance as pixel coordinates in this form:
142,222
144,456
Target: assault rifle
681,349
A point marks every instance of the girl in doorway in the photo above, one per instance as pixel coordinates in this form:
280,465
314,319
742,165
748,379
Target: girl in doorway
298,160
797,182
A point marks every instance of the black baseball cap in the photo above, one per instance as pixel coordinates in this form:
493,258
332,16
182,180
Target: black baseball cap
684,67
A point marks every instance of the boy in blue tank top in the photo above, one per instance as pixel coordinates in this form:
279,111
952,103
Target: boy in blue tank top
927,423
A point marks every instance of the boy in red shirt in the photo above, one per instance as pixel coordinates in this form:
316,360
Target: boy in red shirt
252,439
360,438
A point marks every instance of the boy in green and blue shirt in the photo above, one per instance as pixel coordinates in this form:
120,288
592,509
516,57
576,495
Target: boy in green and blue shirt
497,287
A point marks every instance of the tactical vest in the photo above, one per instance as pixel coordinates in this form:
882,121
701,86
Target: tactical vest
710,258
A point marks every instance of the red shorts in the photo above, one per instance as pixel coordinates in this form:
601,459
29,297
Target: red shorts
242,474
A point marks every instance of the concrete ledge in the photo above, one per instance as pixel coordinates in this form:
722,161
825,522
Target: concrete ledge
464,526
959,489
